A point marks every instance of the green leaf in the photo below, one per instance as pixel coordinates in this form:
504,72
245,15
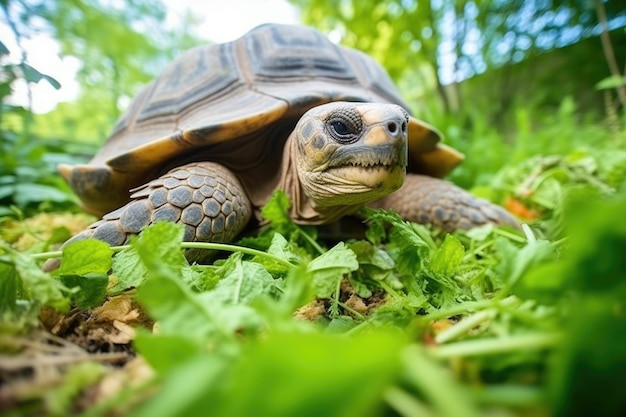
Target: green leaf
158,247
37,285
340,324
178,311
371,257
359,377
298,291
437,385
237,319
3,49
10,284
26,193
328,269
411,242
164,294
612,81
186,385
276,210
91,288
399,311
128,271
598,233
281,248
593,261
32,75
84,257
591,362
165,351
374,264
242,282
340,377
446,259
515,263
545,283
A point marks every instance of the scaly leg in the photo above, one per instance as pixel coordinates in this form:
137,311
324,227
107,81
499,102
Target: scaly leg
204,196
429,200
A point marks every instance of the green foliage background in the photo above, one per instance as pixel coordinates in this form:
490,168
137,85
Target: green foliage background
533,322
120,48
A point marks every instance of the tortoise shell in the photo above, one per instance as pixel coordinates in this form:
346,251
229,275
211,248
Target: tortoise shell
236,103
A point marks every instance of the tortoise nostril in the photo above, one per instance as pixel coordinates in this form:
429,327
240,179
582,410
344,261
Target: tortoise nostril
392,127
404,127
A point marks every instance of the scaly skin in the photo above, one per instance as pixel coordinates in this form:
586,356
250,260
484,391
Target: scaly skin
204,196
429,200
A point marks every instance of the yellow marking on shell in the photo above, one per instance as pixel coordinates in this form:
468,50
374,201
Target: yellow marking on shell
99,188
422,136
66,171
146,157
426,154
437,163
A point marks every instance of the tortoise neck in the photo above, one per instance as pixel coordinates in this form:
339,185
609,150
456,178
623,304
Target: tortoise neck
289,182
303,209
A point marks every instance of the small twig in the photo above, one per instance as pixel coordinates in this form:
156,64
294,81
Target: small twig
13,363
609,53
36,345
45,349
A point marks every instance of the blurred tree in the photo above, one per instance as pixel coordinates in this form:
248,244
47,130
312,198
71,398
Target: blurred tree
120,46
25,165
443,42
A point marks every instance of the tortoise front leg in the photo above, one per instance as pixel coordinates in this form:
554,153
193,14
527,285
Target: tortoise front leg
204,196
429,200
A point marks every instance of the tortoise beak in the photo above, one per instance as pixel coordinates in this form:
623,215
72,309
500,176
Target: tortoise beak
383,156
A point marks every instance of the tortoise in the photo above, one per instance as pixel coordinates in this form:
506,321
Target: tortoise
207,143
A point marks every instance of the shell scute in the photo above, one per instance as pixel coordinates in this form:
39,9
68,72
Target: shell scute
250,89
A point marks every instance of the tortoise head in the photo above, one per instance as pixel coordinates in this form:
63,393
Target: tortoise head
351,153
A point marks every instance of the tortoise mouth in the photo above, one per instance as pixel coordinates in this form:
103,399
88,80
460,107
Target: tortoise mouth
357,175
371,171
383,157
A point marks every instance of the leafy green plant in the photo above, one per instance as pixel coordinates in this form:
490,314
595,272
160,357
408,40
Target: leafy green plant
384,317
116,60
27,165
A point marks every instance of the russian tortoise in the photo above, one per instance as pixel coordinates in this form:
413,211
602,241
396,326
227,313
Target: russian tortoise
282,107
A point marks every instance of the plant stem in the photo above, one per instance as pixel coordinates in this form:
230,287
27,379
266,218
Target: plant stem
311,241
464,326
406,404
188,245
497,345
466,307
509,395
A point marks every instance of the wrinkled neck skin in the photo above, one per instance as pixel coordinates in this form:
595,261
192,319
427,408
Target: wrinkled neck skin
304,210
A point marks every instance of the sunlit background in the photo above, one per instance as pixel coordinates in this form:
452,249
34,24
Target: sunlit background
217,21
468,43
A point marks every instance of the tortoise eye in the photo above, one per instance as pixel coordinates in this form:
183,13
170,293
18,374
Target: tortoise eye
345,126
340,127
